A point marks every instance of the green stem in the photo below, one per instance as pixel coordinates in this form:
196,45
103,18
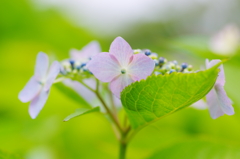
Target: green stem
114,118
114,109
123,150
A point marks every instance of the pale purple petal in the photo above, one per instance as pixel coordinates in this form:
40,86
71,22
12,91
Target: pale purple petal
41,66
121,50
52,74
87,52
214,105
37,103
75,55
31,89
221,75
224,101
119,83
88,95
140,67
104,66
93,48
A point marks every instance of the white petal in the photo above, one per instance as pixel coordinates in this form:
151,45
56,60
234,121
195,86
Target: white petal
119,83
31,89
52,74
37,103
41,66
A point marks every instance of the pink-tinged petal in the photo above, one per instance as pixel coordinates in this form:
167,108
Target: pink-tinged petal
121,50
37,103
221,75
31,89
104,67
87,52
41,66
119,83
214,105
140,67
224,102
52,74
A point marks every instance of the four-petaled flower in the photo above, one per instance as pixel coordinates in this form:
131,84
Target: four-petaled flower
120,66
38,87
217,99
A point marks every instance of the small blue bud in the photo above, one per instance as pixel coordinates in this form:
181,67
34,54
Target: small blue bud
83,64
72,63
147,52
78,68
184,65
156,62
171,71
85,69
161,60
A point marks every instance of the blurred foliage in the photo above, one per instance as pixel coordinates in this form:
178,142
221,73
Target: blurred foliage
198,150
24,32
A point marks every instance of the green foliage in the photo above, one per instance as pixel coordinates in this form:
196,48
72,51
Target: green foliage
4,155
158,96
72,94
81,111
198,150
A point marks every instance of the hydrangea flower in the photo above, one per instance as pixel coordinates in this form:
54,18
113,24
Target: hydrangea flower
120,66
38,87
217,99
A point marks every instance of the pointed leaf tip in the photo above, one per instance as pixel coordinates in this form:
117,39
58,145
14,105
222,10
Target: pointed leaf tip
81,111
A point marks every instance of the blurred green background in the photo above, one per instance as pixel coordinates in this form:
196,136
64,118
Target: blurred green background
25,30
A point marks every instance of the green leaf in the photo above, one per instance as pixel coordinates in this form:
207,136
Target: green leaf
81,111
199,150
158,96
69,92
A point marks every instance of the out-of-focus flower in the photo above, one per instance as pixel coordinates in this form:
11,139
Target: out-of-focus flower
79,58
77,65
120,66
86,53
217,99
38,87
227,41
